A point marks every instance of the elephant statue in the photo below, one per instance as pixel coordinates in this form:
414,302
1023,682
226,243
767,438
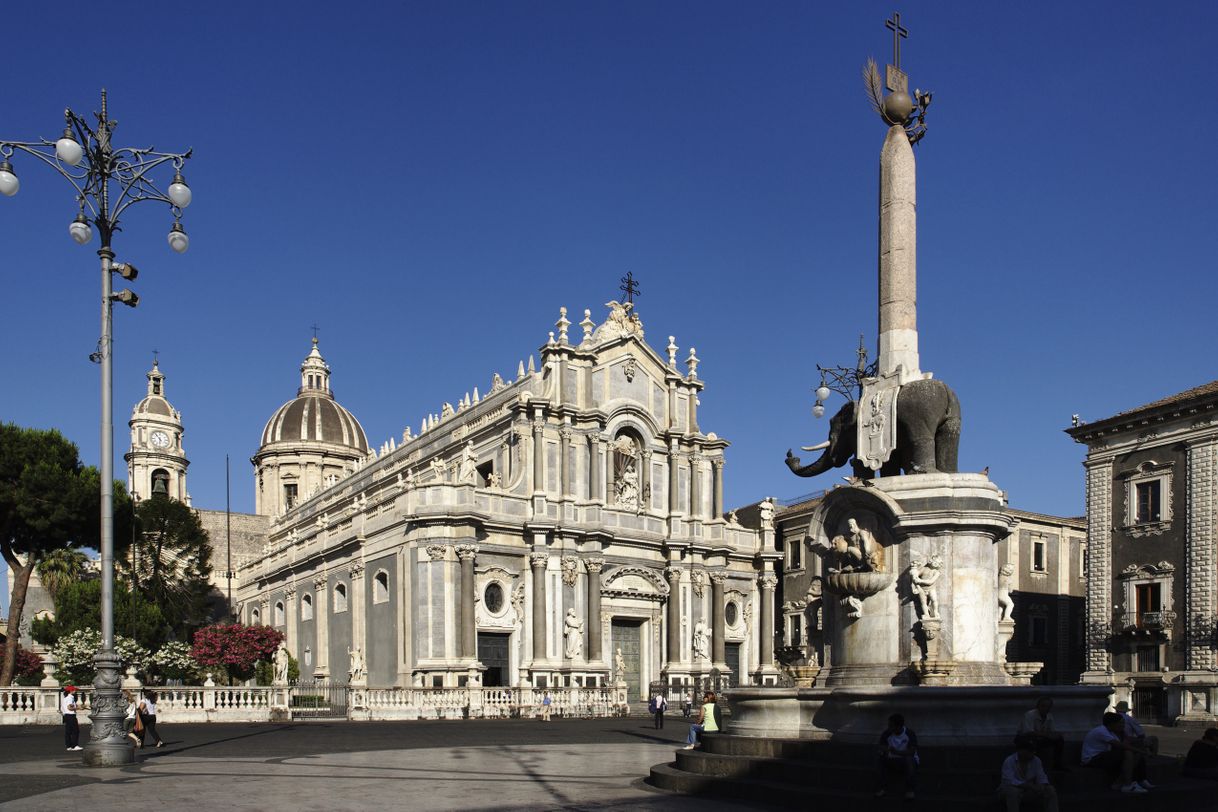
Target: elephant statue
928,435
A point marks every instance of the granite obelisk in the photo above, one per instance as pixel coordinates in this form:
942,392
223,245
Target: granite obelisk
898,258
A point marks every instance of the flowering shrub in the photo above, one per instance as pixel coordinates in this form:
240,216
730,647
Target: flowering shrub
234,649
29,666
173,661
75,654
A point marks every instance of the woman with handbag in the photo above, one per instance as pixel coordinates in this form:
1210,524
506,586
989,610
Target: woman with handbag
133,725
147,711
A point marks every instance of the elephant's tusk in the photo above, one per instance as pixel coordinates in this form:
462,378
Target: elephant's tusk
816,447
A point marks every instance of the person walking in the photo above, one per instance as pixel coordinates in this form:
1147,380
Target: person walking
71,726
147,711
546,701
709,721
133,720
1023,778
657,707
898,751
687,705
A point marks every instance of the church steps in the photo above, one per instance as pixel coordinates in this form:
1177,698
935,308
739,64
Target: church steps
1182,795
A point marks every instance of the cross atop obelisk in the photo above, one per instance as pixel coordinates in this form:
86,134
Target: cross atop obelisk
898,82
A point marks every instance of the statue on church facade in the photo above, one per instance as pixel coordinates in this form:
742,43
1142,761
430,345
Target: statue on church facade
701,640
573,632
282,664
468,474
356,670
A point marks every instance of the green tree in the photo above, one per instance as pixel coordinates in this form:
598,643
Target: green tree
48,501
78,608
168,562
61,567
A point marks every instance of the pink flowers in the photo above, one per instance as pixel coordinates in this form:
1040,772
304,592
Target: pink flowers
234,648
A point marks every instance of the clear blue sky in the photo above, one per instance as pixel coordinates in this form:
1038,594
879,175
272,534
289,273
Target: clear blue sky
429,182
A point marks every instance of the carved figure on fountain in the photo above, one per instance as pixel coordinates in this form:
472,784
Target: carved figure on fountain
928,435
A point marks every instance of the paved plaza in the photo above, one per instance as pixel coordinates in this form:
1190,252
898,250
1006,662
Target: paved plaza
500,764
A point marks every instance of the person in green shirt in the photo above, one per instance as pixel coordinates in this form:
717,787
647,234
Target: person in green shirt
709,720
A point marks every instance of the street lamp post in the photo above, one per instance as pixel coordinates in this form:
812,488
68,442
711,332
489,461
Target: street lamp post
107,181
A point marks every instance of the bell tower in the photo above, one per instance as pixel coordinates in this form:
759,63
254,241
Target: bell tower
156,461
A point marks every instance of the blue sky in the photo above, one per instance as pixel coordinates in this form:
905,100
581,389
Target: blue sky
430,182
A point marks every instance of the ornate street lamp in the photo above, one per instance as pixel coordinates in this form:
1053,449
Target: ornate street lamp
107,181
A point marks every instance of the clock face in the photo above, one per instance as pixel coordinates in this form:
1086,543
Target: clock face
160,439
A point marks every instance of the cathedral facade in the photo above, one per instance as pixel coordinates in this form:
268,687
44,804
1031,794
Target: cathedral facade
565,528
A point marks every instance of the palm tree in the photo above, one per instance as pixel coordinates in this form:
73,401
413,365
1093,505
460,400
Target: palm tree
61,567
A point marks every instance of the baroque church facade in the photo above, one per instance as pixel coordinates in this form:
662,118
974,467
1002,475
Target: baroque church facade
565,528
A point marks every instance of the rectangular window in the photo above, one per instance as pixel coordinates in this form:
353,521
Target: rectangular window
1147,494
1038,556
1040,631
795,552
797,630
1148,658
289,496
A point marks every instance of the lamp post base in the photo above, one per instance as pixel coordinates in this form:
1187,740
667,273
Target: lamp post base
108,743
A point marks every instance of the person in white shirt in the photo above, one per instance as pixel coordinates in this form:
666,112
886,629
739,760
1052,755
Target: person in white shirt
1134,733
1037,725
1023,778
71,727
1105,748
147,711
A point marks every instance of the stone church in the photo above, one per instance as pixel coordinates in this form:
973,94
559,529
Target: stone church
565,528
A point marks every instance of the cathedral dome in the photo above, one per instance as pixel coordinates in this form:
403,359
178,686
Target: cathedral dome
314,416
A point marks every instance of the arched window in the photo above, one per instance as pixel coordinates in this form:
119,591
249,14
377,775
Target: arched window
380,587
279,614
255,617
160,482
340,598
306,607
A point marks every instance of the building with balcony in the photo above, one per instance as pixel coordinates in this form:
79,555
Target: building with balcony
1153,555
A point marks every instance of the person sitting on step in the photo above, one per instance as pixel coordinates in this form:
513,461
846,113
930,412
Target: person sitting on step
1023,778
1134,734
1202,759
1105,748
898,751
709,721
1037,725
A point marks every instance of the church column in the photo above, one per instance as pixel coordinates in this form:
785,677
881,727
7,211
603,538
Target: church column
594,566
718,624
674,616
469,640
717,488
766,633
644,480
356,571
321,617
539,453
564,461
695,486
595,470
674,480
290,620
266,619
539,561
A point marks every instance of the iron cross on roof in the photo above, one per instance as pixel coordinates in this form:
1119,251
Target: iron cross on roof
898,33
629,287
315,329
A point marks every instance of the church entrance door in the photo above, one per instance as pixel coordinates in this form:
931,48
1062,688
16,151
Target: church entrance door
731,655
493,653
627,636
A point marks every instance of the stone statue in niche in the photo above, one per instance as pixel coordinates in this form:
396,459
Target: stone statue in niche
923,577
619,664
701,635
627,486
855,550
573,632
1006,605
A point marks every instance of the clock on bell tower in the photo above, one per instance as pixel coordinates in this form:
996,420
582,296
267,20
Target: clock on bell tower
156,462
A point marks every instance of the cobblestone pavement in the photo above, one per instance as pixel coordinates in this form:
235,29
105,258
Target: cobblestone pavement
501,764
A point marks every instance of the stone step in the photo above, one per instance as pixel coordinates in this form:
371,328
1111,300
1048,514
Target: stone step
1182,795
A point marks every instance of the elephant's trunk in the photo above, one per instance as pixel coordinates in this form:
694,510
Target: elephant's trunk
822,464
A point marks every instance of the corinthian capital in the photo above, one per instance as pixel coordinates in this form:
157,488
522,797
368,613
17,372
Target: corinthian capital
466,552
356,570
539,560
594,564
768,581
718,577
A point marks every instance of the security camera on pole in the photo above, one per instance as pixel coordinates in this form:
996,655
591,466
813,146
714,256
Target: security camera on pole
107,181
